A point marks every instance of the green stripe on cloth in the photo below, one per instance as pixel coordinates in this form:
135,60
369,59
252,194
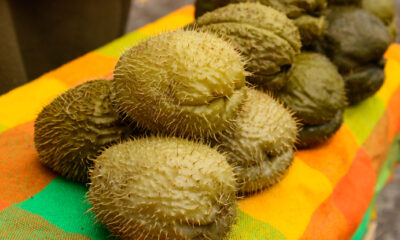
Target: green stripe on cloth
62,204
3,128
251,228
389,165
362,118
16,223
363,227
120,45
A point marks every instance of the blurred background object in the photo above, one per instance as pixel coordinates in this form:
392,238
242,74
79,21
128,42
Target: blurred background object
40,35
145,11
389,211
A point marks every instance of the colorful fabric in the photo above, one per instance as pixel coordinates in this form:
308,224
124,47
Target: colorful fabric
328,193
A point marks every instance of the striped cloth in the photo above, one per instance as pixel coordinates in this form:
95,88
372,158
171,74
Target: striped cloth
328,193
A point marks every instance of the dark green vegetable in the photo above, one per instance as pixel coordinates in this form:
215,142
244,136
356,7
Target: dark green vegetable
314,90
363,83
354,38
311,28
315,93
312,135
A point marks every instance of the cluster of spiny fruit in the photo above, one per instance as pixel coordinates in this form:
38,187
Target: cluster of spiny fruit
196,117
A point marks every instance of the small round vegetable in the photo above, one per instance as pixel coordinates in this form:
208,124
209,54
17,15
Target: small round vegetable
260,145
316,94
315,90
76,126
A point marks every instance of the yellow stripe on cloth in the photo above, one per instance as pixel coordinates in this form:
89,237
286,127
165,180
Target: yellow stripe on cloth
23,104
117,47
289,205
392,81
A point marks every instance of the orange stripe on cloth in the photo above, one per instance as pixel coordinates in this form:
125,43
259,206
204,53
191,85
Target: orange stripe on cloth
21,173
327,223
23,104
394,113
88,67
333,158
289,205
393,52
16,223
355,191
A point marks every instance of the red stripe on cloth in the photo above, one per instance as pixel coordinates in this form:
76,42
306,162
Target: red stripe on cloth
379,142
3,205
326,223
355,191
21,173
338,216
334,157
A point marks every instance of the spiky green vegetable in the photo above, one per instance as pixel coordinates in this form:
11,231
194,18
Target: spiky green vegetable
182,83
292,8
260,145
305,14
163,188
265,36
76,126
